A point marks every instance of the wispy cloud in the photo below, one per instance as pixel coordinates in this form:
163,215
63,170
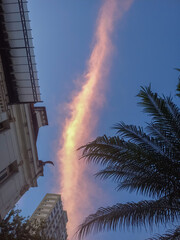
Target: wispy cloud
82,113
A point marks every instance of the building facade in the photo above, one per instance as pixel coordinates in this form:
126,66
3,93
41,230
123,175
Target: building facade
20,119
50,210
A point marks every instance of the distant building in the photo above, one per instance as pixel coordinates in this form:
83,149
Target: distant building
20,119
51,211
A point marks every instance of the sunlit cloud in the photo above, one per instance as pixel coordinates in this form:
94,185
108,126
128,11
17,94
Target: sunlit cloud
82,117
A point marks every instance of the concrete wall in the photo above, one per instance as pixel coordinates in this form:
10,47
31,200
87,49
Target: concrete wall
17,144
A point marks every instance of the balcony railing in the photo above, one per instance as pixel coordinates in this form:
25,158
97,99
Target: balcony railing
17,53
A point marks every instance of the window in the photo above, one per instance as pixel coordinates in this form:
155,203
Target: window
4,125
3,175
13,167
7,172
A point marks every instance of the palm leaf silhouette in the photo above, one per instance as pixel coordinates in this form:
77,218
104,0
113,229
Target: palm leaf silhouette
146,161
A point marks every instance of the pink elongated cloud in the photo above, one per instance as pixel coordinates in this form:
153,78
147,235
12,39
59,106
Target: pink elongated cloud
82,113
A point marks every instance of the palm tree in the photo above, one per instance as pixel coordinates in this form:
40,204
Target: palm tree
144,162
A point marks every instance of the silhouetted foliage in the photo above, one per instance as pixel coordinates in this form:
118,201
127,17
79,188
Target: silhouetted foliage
147,162
170,235
16,227
178,86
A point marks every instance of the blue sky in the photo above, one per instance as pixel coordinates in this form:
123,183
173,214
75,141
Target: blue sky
146,50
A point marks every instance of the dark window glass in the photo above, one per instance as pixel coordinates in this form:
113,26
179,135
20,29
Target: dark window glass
7,172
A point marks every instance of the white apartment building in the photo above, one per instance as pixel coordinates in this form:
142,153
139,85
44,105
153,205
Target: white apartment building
50,210
20,119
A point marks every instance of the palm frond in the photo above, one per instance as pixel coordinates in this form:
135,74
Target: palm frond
143,162
102,150
137,135
178,85
167,139
134,178
144,213
164,156
132,158
113,150
162,110
178,89
152,103
169,235
173,119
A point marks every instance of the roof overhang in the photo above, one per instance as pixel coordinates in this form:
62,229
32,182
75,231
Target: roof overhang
16,49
